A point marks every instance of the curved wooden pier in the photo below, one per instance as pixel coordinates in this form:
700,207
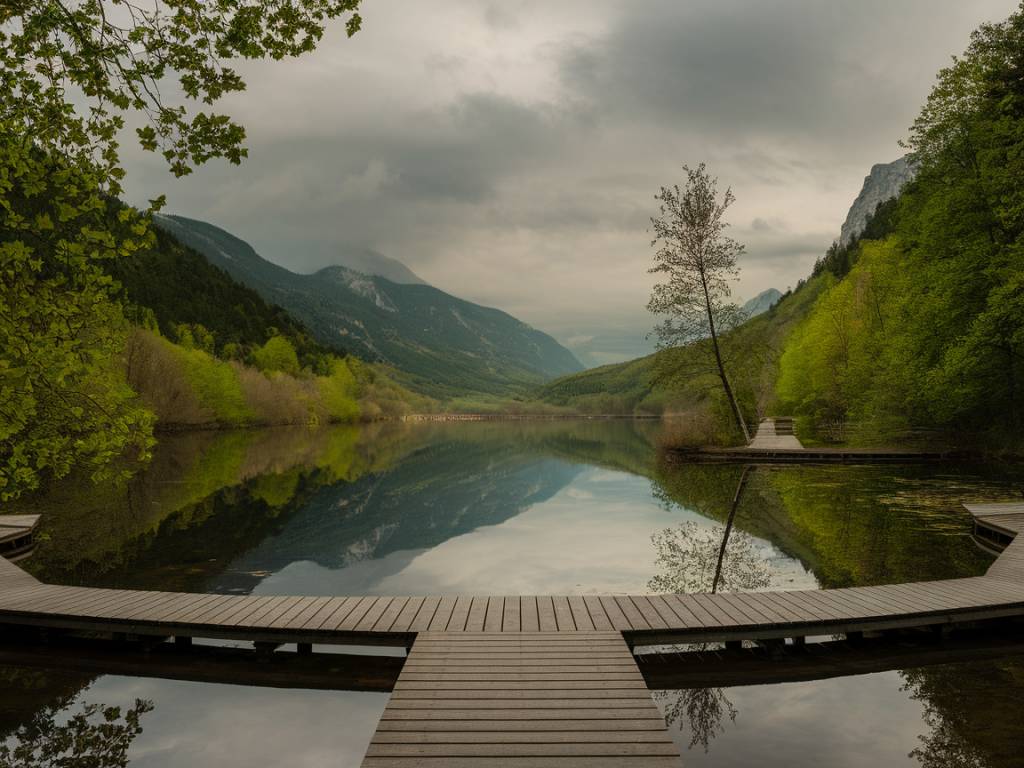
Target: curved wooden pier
528,681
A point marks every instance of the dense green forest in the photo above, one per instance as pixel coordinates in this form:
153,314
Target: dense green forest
923,327
183,290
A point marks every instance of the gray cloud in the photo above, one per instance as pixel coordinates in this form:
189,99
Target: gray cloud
512,157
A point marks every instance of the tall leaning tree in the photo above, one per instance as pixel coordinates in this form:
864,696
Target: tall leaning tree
78,77
697,262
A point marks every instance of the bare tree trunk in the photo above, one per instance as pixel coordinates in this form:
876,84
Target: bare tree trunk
736,412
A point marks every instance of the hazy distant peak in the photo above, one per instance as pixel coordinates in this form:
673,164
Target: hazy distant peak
370,262
762,302
364,260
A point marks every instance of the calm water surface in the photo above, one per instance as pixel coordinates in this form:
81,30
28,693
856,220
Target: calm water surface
520,508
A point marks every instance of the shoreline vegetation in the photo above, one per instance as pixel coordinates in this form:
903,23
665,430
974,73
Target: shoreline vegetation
186,386
115,333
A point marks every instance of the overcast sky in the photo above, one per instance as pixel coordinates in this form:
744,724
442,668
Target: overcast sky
509,152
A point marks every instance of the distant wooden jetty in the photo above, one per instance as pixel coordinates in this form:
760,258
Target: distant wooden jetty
776,443
17,535
522,681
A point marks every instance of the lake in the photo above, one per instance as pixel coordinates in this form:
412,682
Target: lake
545,507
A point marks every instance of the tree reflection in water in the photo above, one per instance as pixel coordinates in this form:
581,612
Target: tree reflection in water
98,736
695,558
945,746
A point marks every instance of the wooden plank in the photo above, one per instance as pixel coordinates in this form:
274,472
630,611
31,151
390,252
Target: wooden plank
519,685
296,609
687,612
477,614
356,614
499,658
580,614
598,616
650,761
495,614
717,616
372,616
610,713
618,725
601,749
388,617
515,737
408,613
629,610
425,614
546,614
665,611
556,701
443,614
563,614
338,615
530,618
256,610
531,695
512,617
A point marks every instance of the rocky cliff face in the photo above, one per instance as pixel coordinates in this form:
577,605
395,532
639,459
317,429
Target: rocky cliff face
883,183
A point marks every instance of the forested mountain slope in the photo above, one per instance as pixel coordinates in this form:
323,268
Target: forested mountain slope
445,347
182,289
916,323
926,328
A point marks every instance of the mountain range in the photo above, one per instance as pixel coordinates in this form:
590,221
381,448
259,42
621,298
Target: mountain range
439,344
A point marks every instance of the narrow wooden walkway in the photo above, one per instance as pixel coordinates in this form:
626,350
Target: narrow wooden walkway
524,699
776,443
477,663
770,438
17,535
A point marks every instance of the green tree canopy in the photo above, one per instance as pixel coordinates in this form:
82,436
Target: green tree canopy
74,75
278,354
927,327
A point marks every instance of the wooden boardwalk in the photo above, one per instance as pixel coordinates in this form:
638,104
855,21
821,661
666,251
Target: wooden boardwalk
770,438
17,535
522,699
526,681
775,443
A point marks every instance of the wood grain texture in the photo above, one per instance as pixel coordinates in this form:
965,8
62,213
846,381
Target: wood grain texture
542,699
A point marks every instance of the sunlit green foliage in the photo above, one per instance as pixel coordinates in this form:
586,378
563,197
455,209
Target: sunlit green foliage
927,329
278,354
215,383
340,392
70,72
189,387
681,381
123,58
175,286
63,398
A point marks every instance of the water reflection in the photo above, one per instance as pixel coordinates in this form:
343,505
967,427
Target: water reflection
91,734
691,558
522,508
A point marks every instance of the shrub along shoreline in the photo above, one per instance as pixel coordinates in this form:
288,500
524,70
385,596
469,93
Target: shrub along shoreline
187,387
